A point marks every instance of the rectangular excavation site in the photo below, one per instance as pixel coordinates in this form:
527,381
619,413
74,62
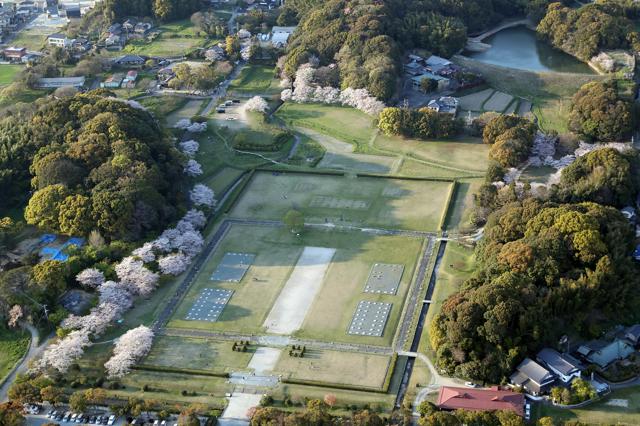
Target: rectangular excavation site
209,305
295,299
370,318
232,267
384,278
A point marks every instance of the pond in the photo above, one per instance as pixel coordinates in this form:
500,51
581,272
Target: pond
519,48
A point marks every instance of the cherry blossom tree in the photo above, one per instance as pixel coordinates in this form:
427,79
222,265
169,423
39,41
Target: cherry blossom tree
193,168
190,243
202,195
195,217
128,349
190,147
173,264
115,294
145,252
182,124
15,314
96,322
257,103
90,278
197,127
62,354
139,279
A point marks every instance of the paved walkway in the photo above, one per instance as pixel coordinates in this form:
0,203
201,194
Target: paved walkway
35,350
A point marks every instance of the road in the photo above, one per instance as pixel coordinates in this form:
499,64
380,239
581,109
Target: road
35,350
221,91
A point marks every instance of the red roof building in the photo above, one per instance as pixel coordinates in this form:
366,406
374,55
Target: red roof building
452,398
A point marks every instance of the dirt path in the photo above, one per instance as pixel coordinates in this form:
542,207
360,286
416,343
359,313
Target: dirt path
329,143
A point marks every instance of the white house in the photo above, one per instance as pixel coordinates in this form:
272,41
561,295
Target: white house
59,40
280,36
54,83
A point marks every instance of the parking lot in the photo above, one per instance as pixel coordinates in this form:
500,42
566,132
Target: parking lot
41,419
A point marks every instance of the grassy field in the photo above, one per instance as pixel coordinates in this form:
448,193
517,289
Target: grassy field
176,38
8,73
458,218
277,251
13,345
600,413
196,354
460,157
222,180
162,106
386,203
32,39
346,368
457,265
346,124
188,110
550,92
256,79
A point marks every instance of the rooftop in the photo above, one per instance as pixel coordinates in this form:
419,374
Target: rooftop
453,398
534,371
558,362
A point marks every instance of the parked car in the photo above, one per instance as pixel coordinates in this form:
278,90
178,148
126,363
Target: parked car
111,420
471,385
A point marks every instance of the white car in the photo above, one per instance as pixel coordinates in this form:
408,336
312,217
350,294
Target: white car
112,419
471,385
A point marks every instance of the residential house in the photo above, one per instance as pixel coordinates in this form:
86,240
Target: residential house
129,25
71,10
142,29
114,42
129,81
129,61
443,82
59,40
413,68
604,353
532,377
564,366
280,36
32,58
633,334
54,83
243,34
112,82
14,54
115,29
214,53
455,398
445,104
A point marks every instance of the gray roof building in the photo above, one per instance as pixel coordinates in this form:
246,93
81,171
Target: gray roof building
565,366
532,377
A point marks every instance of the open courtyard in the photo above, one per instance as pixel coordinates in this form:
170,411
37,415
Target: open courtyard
328,305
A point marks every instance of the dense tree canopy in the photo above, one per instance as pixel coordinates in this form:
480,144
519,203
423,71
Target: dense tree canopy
544,269
605,176
599,114
97,163
366,38
584,31
423,123
510,137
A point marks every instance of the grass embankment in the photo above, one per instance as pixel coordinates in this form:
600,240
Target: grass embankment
256,80
8,74
13,346
549,92
457,265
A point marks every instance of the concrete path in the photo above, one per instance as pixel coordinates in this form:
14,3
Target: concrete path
35,350
239,405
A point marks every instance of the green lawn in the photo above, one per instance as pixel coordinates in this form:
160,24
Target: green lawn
13,345
460,157
458,263
347,368
600,413
385,203
176,39
346,124
8,73
32,39
550,92
163,106
196,354
459,214
256,79
277,252
189,109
